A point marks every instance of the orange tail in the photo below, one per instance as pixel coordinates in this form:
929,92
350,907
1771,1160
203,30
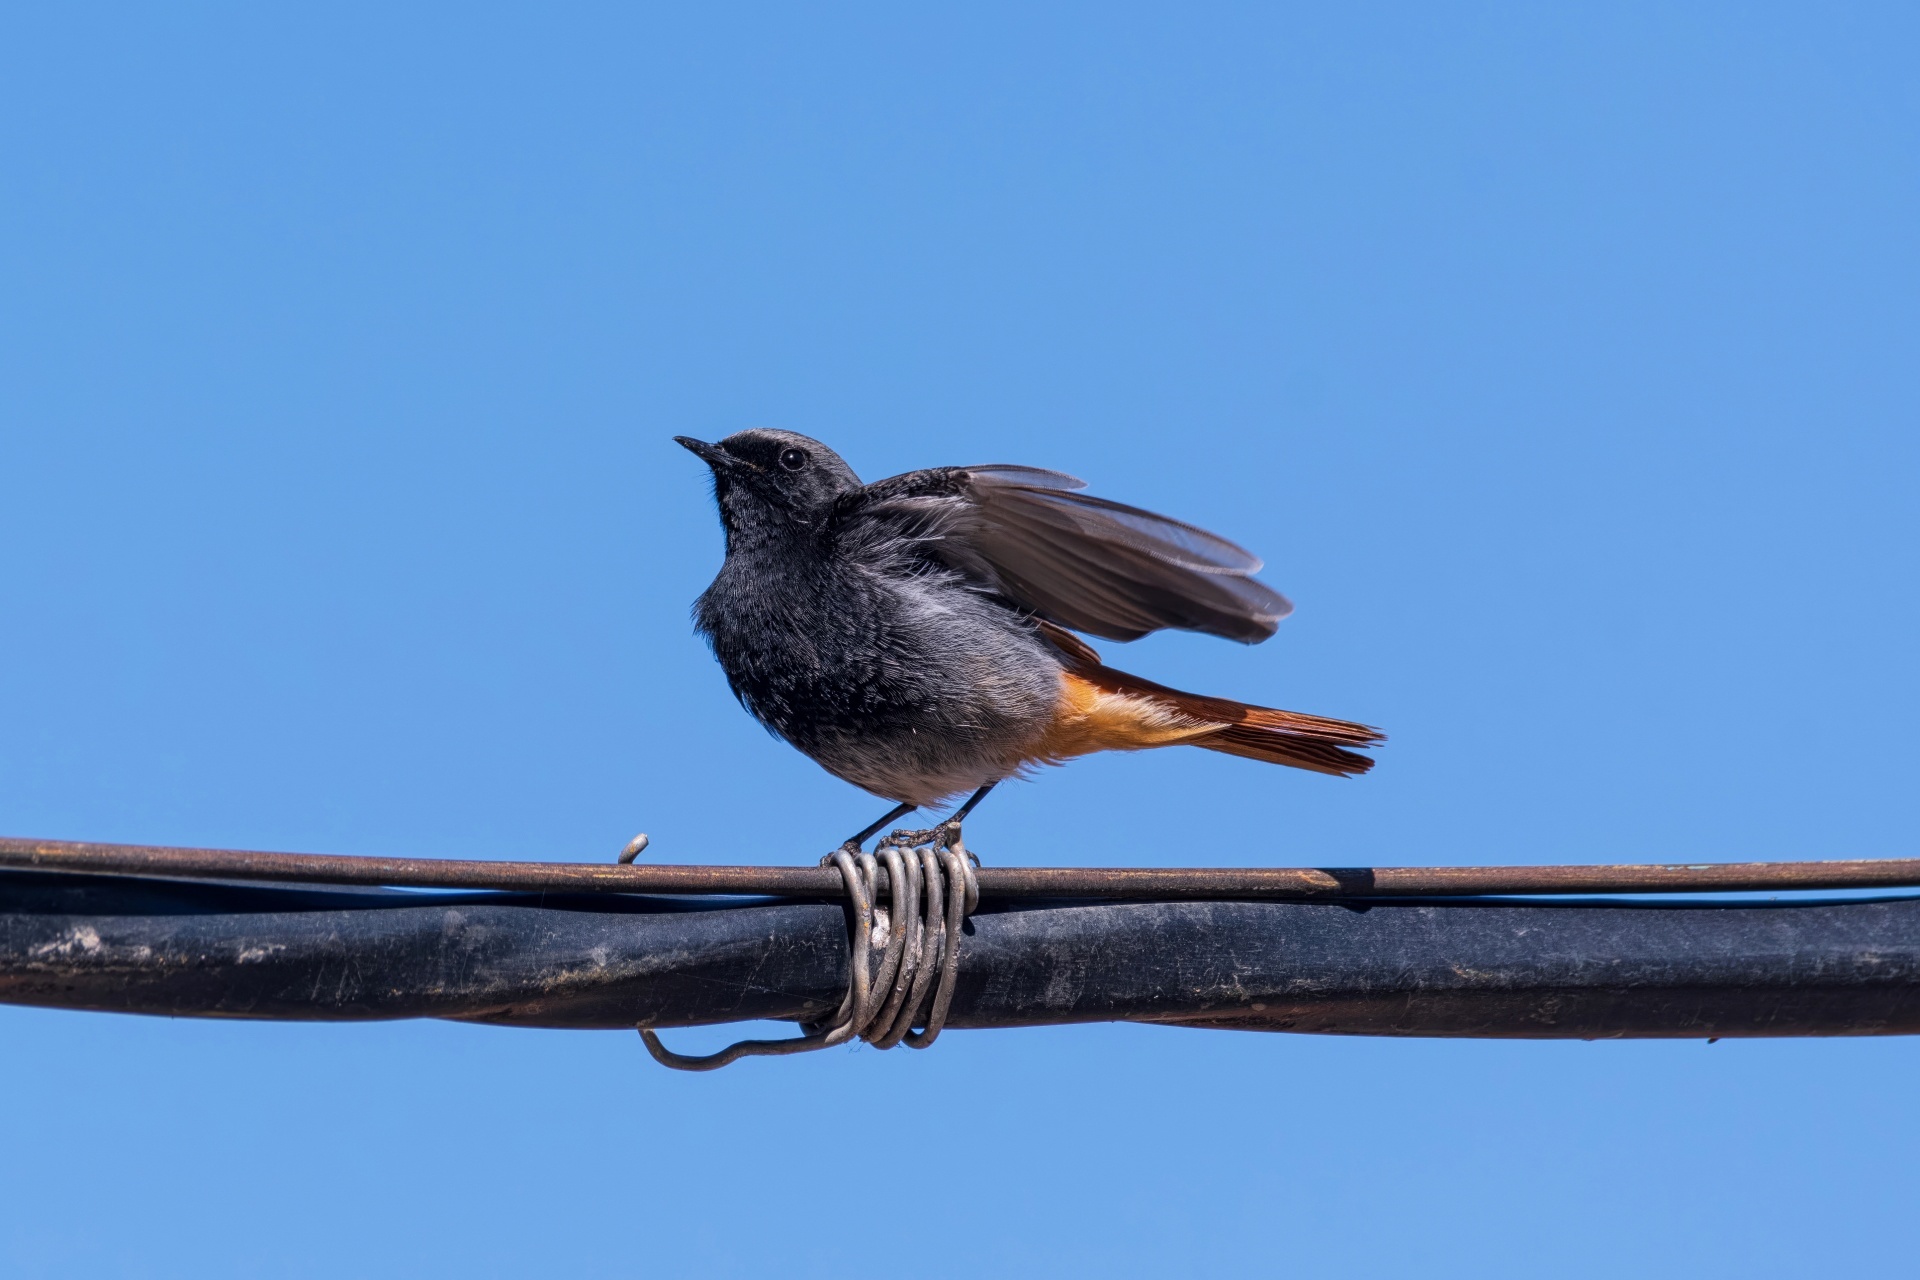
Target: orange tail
1281,748
1221,724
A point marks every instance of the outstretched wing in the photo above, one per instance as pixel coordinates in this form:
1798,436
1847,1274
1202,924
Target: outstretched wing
1096,566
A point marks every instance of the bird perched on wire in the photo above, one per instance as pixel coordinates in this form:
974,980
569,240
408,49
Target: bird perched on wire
915,636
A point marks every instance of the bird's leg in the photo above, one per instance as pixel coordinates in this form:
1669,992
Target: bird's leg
960,814
853,843
949,831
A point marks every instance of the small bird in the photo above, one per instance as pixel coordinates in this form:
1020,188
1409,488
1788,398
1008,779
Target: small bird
915,636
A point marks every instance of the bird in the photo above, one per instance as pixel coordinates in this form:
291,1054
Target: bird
920,636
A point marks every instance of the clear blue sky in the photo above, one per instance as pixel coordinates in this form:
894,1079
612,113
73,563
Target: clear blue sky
1561,364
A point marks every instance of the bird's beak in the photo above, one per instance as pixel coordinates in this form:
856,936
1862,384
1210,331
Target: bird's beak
711,454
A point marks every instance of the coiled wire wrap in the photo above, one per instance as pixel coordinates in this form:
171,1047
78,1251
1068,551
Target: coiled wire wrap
931,890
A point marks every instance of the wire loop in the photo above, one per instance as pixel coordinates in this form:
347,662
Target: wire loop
931,890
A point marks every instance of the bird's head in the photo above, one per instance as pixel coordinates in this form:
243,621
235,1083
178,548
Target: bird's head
767,481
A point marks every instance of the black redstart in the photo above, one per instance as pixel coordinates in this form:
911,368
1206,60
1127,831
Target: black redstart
915,635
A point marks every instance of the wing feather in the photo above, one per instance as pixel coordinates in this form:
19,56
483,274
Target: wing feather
1086,563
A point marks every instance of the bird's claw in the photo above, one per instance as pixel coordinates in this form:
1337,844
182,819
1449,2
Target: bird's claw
851,848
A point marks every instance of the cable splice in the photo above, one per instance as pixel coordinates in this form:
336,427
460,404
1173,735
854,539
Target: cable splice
931,892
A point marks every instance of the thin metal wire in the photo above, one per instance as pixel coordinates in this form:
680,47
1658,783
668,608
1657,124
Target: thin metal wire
930,889
1117,884
962,896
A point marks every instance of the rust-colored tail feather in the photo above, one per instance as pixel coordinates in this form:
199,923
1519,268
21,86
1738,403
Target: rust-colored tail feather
1282,748
1257,733
1264,733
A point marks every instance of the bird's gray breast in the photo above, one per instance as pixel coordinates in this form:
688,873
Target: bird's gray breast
913,686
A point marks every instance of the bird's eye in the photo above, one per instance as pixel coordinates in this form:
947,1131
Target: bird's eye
793,459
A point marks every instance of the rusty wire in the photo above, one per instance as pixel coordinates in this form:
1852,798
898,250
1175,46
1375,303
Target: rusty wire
1140,884
930,887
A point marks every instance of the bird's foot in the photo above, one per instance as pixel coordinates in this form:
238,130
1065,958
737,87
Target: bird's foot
945,835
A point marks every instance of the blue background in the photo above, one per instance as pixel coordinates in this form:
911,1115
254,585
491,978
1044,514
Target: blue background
1560,363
